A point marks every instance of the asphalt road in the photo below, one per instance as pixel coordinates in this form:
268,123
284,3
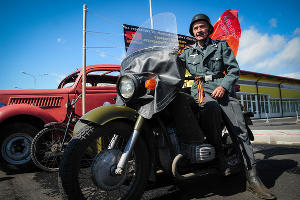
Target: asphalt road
278,166
276,131
286,123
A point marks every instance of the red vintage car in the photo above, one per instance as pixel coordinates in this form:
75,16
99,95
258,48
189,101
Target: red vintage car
23,113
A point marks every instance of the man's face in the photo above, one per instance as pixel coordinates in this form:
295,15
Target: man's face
200,30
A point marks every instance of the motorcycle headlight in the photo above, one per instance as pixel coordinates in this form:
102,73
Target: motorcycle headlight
126,87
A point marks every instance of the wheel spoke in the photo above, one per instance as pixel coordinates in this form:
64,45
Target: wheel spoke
89,152
47,148
89,189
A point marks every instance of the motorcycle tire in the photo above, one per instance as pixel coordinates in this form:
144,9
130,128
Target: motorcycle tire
75,173
46,148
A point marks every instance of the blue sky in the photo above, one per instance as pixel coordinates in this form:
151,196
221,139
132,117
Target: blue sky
45,36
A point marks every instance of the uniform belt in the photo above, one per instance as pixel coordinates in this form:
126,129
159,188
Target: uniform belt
205,78
211,77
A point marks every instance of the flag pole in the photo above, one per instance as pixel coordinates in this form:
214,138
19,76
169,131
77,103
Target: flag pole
84,61
151,20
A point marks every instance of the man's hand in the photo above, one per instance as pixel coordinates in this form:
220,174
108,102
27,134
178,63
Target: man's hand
218,92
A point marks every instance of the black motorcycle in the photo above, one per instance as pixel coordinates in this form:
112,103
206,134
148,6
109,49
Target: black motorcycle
117,148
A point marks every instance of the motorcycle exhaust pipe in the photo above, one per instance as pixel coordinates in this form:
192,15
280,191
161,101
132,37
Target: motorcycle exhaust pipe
188,175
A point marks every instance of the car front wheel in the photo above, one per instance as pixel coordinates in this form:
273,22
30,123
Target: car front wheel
15,147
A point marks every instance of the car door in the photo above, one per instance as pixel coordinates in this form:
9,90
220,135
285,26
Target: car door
100,88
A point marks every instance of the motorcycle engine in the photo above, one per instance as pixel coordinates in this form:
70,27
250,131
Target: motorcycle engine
198,153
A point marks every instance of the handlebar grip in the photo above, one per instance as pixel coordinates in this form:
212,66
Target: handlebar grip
190,78
201,77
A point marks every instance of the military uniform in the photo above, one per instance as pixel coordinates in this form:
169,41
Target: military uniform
213,58
217,59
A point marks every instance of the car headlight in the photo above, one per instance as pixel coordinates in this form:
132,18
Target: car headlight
2,104
126,87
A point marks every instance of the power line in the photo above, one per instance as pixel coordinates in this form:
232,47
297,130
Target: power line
105,54
119,34
106,33
109,20
103,38
104,47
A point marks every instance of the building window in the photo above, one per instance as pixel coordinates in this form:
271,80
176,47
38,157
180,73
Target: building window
275,105
291,105
264,103
295,105
264,106
249,101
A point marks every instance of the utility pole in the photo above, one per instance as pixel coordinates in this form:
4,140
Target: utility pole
84,61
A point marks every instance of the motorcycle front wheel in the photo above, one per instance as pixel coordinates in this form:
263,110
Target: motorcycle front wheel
87,167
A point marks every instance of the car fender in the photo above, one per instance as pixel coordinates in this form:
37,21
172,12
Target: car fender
104,114
9,111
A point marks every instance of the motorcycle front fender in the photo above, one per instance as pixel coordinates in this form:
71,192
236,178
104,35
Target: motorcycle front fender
104,114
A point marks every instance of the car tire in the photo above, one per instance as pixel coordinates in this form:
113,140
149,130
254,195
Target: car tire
15,147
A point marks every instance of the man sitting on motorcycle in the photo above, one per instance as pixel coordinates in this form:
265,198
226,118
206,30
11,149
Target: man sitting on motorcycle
217,97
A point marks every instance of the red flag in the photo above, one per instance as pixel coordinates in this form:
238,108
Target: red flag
228,28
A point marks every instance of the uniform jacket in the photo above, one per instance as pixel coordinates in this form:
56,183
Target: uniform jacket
217,58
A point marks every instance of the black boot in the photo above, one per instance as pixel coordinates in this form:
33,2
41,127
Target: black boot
255,185
223,167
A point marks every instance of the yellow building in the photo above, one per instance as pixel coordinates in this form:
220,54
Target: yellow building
269,96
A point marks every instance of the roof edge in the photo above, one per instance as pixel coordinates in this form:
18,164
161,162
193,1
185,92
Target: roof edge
270,76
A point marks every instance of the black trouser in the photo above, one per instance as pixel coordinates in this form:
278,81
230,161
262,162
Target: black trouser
234,121
210,116
184,111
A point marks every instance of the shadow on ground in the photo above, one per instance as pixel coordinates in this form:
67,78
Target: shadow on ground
269,171
270,168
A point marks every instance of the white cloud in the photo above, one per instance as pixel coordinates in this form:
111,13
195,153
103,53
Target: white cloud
295,75
297,31
59,40
59,77
123,55
291,52
272,54
101,54
288,58
255,46
273,22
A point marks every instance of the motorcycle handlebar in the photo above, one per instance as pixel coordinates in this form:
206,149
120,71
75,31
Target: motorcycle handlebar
75,100
189,78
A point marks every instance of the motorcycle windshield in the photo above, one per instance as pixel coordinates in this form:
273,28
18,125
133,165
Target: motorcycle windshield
162,32
154,51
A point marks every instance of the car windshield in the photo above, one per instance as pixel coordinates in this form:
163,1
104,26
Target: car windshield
69,80
102,78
